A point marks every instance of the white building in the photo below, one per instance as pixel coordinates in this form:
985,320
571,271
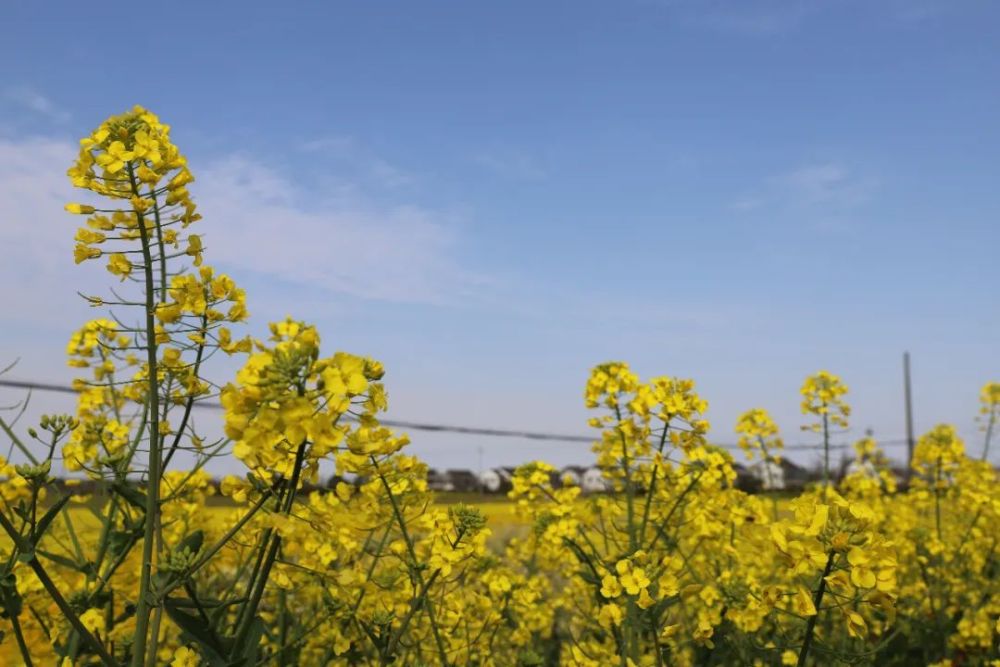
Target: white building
495,480
490,480
770,474
571,476
593,481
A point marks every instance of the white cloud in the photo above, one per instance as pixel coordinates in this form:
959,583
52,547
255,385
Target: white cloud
754,21
349,153
821,186
826,183
511,163
34,101
745,204
818,182
37,277
336,144
295,247
388,175
259,222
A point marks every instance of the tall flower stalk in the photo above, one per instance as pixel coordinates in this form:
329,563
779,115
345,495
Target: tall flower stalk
822,397
989,412
138,222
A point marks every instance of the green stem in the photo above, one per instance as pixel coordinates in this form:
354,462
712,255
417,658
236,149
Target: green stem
17,442
263,541
250,611
223,541
629,490
811,623
15,623
154,632
282,626
442,654
652,485
631,637
826,455
371,566
144,605
415,605
989,434
258,593
60,601
191,399
661,531
937,497
50,587
159,241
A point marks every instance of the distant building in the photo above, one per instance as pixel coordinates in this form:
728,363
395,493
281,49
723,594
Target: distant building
770,475
349,478
593,481
464,481
439,480
496,480
490,480
869,470
571,476
863,468
795,476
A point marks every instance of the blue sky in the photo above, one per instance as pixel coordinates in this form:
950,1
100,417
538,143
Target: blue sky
494,197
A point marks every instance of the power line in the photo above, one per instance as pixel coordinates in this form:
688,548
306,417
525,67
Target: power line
417,426
448,428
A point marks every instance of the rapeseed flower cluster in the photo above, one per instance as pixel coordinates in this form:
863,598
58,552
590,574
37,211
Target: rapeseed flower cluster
672,565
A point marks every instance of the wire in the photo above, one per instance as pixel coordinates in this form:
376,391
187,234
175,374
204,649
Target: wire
450,428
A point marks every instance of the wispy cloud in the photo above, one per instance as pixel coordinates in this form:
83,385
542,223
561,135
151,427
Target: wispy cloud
748,204
342,242
37,277
754,20
362,161
388,174
831,186
511,163
259,225
828,184
31,100
338,145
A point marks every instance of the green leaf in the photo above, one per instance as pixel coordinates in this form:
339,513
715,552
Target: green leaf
120,540
48,517
192,542
212,647
22,511
12,603
252,647
184,603
131,494
63,560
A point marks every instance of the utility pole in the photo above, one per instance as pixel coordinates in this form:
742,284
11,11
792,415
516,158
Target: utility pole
909,412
